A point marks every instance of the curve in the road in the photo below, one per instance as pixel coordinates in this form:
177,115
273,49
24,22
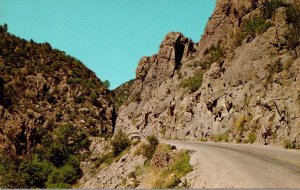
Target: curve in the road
219,165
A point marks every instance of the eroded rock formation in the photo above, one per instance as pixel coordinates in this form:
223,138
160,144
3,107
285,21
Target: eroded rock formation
250,81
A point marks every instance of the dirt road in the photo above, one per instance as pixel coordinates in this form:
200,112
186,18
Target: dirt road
222,165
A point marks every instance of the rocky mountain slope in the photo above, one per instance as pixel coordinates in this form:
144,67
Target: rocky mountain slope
44,88
50,107
239,83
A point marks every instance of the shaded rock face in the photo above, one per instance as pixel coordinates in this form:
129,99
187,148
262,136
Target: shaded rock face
253,87
43,88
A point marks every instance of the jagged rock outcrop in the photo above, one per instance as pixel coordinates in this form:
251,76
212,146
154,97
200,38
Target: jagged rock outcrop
43,88
248,70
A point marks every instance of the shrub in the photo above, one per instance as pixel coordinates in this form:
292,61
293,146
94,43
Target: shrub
74,138
224,137
181,164
239,124
58,186
203,139
239,140
105,159
57,154
252,137
179,167
293,34
35,172
63,175
119,142
72,80
288,144
106,83
56,65
271,6
193,83
220,137
93,96
74,162
67,174
214,138
167,182
149,149
3,28
10,177
92,85
293,14
255,26
79,99
216,53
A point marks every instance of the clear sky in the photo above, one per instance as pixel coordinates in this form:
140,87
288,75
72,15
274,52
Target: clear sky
108,36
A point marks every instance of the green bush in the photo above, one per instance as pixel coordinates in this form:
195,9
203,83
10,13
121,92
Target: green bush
57,154
149,149
10,177
292,14
220,137
93,96
56,65
179,167
74,162
79,99
106,159
58,186
225,137
252,137
293,34
255,26
67,174
193,83
119,142
271,7
203,139
92,85
106,83
288,144
74,138
239,140
72,80
35,172
215,54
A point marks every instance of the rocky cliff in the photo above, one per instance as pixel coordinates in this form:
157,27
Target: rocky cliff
42,89
240,81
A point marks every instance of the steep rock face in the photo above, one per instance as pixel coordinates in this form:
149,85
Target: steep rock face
42,89
150,90
250,80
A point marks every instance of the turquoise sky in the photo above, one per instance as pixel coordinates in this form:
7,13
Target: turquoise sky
109,36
